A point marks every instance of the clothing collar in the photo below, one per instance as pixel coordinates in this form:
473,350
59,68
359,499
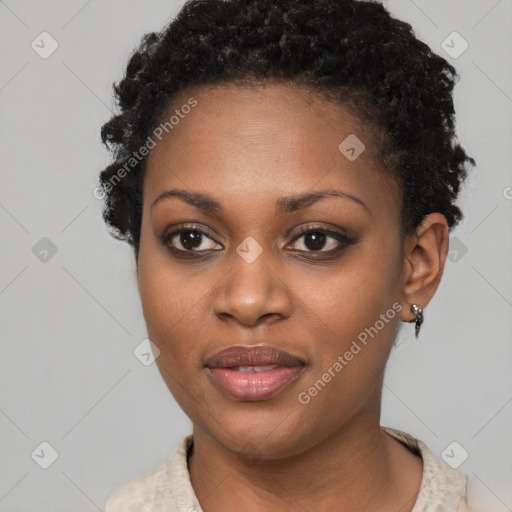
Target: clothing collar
441,486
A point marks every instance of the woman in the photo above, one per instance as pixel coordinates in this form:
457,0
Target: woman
286,173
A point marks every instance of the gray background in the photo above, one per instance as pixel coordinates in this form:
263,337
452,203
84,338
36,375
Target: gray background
70,324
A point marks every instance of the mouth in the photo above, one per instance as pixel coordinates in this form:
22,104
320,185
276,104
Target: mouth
253,373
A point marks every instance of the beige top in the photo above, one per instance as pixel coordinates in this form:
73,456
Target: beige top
167,488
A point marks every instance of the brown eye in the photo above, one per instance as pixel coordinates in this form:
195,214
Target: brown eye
315,240
189,239
318,239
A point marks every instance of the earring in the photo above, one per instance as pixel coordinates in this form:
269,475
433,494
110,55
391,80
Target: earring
418,317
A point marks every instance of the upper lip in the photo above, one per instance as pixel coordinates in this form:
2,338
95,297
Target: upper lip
258,355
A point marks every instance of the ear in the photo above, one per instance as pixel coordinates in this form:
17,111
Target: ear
425,254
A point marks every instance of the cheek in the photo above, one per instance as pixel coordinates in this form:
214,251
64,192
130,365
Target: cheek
351,355
171,312
361,287
358,304
168,299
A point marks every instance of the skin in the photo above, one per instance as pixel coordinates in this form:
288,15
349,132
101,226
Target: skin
247,147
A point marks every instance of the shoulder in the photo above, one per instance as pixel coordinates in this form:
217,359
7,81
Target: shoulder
137,492
165,488
442,486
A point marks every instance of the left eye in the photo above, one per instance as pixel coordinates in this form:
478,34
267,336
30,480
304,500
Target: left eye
191,239
315,239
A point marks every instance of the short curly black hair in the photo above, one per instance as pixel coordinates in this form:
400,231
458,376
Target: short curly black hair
351,51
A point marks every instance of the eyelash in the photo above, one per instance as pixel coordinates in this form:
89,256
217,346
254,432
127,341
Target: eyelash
343,239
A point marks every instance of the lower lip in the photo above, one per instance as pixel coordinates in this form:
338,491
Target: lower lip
254,386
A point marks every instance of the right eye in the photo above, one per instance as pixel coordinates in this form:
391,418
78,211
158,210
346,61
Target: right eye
188,239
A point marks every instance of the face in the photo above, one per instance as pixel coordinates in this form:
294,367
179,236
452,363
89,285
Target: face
266,256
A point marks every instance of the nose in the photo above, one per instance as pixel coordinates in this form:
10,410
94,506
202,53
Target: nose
252,293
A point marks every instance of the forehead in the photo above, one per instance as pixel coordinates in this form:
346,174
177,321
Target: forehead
249,143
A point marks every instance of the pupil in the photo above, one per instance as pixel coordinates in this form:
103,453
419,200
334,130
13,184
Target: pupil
318,240
190,239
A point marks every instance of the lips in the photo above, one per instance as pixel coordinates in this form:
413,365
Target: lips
259,355
253,373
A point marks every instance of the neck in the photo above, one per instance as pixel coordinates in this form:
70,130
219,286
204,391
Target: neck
358,467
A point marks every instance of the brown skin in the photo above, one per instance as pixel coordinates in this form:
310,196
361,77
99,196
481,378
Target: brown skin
247,148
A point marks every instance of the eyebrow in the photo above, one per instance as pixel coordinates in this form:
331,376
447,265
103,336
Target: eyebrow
284,205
